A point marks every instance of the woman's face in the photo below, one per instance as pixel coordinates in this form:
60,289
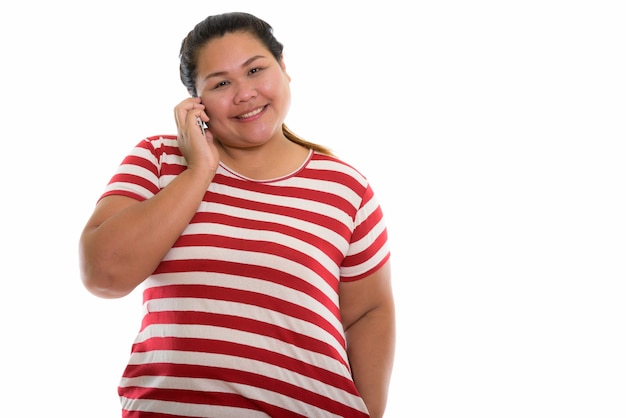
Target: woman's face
244,89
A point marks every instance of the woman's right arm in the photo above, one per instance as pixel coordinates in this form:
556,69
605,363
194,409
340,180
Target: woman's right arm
125,240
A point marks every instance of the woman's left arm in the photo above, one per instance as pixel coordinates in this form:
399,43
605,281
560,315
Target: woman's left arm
368,317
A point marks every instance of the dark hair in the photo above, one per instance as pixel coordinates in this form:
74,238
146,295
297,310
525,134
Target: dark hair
217,26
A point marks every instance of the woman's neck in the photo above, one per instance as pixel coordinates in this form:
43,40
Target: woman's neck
265,162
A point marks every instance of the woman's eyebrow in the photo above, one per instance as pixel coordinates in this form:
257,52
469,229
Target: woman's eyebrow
245,63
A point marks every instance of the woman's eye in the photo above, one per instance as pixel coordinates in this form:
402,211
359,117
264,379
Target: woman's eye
221,84
254,70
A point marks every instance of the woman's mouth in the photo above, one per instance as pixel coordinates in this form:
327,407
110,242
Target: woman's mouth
251,113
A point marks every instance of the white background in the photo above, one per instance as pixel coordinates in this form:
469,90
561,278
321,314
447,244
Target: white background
493,133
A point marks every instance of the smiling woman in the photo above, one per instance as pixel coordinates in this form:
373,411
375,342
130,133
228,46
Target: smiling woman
493,132
201,75
263,258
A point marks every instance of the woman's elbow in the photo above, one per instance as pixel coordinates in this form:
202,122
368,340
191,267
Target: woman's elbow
99,280
101,285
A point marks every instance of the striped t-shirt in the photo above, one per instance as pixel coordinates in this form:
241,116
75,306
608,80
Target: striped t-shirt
241,318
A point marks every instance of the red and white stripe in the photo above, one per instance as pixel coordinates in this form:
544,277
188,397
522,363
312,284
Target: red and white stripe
241,318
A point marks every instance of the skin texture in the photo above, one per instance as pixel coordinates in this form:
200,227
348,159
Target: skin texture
368,317
244,97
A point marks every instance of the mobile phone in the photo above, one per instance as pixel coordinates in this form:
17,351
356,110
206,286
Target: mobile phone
202,125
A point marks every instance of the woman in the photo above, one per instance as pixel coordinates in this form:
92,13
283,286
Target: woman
263,257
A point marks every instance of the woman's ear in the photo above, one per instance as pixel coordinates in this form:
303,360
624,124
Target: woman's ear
283,66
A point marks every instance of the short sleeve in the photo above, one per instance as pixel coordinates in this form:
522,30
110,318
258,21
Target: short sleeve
140,175
369,248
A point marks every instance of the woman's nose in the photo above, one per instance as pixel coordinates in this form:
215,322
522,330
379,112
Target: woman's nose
245,91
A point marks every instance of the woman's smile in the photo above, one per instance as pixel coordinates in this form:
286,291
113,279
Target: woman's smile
249,115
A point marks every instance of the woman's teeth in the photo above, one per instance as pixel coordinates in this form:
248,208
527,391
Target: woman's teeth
250,114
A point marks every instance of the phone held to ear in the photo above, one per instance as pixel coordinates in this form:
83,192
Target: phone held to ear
202,125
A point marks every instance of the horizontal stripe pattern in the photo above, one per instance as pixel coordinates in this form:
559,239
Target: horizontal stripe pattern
241,318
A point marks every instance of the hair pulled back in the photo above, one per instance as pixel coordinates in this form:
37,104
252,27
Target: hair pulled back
217,26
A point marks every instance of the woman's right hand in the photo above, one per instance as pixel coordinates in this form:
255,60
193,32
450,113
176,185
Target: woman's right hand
199,151
125,239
